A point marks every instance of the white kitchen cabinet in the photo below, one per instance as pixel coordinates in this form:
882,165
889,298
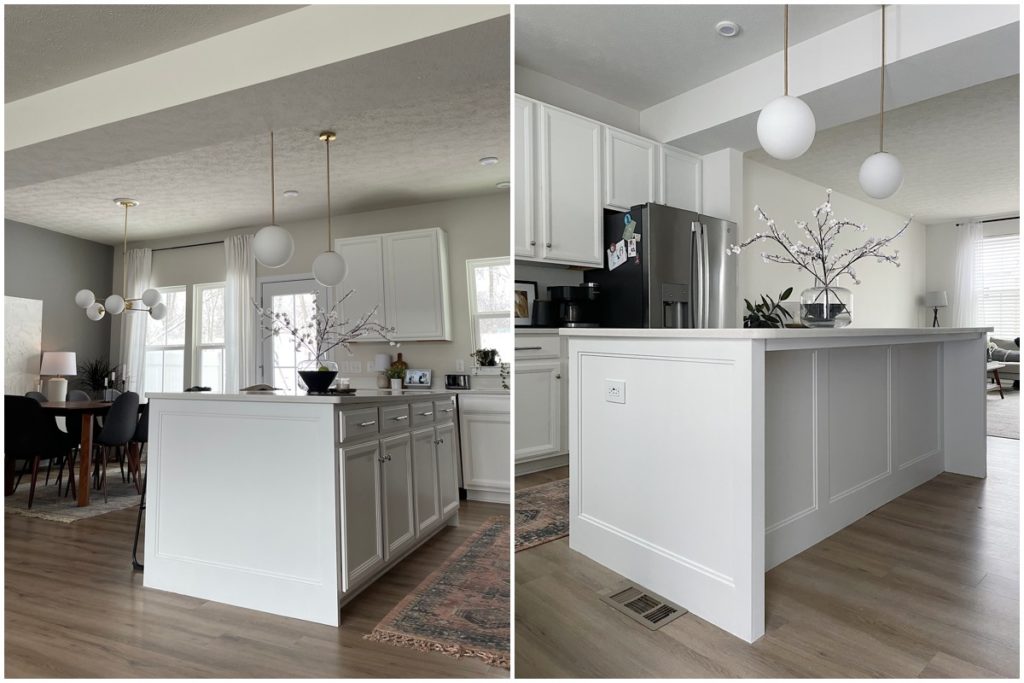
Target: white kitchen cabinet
405,274
569,219
428,503
523,185
399,513
538,386
680,179
631,169
484,430
364,540
447,468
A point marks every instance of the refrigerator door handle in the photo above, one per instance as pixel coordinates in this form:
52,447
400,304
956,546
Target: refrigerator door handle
706,282
696,276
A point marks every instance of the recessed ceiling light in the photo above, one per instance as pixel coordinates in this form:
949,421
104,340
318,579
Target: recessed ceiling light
291,194
503,185
728,29
489,161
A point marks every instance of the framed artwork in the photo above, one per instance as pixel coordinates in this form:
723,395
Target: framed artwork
417,379
525,293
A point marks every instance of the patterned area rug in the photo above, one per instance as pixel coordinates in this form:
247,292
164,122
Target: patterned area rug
542,514
463,608
1004,414
51,505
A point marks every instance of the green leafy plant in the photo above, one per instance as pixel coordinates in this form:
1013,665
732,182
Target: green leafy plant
91,374
395,372
486,358
503,372
768,312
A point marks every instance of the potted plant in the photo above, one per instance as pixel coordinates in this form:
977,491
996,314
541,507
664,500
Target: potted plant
485,358
93,374
767,313
396,374
323,333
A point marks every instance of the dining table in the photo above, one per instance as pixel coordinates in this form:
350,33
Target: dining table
86,411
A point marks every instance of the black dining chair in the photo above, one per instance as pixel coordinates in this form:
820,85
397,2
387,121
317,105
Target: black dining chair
73,426
38,396
118,428
32,436
41,398
140,439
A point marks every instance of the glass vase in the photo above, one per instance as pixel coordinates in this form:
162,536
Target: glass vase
826,307
315,376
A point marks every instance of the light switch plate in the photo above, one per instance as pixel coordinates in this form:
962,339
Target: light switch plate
460,365
615,391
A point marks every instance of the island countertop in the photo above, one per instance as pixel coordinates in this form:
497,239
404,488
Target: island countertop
361,396
772,333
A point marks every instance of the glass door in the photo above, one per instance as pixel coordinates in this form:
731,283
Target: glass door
279,359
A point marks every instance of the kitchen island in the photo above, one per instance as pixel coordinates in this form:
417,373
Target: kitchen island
293,504
699,459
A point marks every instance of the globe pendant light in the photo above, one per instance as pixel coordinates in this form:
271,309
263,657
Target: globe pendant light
116,304
273,245
881,174
329,267
785,127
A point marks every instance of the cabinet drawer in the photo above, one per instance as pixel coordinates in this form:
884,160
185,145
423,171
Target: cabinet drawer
394,417
423,413
444,411
530,346
358,423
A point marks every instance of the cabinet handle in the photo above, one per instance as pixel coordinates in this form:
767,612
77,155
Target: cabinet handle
440,440
533,243
447,410
548,245
528,348
400,418
386,457
429,412
558,376
368,423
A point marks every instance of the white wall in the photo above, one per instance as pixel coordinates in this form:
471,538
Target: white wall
553,91
477,227
888,297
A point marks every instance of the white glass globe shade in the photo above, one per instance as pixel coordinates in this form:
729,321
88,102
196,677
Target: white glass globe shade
273,246
881,175
115,304
329,268
95,311
158,311
84,298
151,297
785,128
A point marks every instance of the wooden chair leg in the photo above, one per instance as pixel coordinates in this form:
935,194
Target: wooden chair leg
71,477
35,473
49,464
120,451
104,477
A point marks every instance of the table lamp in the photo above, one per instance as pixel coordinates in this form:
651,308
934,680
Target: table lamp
381,362
58,363
935,301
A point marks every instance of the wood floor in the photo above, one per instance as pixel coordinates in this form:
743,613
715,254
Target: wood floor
74,608
925,586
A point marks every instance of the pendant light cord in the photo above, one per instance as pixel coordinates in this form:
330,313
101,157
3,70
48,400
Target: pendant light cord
328,141
273,194
124,255
881,96
785,52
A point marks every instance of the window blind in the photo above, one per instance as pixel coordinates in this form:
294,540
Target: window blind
998,273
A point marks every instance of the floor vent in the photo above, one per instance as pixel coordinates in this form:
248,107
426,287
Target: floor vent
643,606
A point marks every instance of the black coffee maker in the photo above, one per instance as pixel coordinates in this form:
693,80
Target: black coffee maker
575,306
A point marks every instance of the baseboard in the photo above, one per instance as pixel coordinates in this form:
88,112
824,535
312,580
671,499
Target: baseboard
488,496
549,462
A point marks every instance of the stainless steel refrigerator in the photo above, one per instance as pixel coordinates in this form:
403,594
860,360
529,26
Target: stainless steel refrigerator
679,276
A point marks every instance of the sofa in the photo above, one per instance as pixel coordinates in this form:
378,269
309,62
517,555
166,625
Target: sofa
1006,351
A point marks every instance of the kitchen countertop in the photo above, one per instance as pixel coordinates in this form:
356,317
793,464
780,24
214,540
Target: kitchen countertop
362,396
788,333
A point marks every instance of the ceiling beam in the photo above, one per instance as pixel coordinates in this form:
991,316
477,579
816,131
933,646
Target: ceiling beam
287,44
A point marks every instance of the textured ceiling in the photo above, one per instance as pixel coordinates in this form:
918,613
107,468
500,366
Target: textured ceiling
46,46
641,55
412,123
960,154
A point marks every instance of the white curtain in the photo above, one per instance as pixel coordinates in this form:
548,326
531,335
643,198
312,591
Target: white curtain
967,276
138,265
239,316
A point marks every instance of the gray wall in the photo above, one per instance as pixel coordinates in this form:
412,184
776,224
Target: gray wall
41,264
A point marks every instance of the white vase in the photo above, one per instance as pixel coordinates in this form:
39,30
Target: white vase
396,385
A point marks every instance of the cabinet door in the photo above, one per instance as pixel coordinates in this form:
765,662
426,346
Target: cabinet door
523,184
484,430
399,516
363,523
364,259
680,179
416,285
630,170
447,468
538,409
570,216
424,469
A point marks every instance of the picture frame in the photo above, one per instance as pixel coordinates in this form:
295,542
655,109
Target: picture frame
417,379
523,295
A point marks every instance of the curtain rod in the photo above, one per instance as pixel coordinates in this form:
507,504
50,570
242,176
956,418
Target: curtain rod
994,220
189,246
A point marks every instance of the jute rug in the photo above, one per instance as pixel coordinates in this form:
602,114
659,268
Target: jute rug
463,608
1004,414
542,514
51,505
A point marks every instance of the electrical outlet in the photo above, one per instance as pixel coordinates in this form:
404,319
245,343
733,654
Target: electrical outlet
615,391
460,365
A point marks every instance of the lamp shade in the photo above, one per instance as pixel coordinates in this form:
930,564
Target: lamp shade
59,363
936,299
329,268
881,175
381,362
273,246
785,127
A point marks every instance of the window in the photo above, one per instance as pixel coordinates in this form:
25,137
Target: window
208,331
490,304
998,268
165,345
280,363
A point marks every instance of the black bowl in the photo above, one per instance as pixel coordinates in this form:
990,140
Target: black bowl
317,381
